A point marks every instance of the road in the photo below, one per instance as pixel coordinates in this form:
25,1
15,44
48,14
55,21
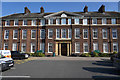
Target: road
91,69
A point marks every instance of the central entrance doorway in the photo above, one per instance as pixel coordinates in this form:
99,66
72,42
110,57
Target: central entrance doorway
64,49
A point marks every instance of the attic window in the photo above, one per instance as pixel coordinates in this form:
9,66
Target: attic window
63,15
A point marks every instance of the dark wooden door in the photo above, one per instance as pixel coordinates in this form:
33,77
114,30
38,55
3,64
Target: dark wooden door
64,49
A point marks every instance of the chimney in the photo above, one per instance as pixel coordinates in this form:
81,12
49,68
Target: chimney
26,10
101,9
85,9
41,10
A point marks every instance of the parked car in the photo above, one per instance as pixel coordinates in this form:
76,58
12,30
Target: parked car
5,53
18,55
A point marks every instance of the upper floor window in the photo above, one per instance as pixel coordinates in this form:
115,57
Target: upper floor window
77,33
50,21
42,22
77,47
95,33
76,20
42,34
7,23
25,23
33,34
103,21
113,21
15,34
33,22
57,33
15,22
6,34
115,47
24,34
85,33
63,21
94,21
57,21
114,33
50,33
63,33
104,33
69,33
5,46
84,21
69,21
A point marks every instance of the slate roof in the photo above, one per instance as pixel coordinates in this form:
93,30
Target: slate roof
41,15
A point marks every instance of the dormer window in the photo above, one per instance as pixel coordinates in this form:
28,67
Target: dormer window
69,21
42,22
104,21
94,21
7,22
57,21
84,21
50,21
76,20
24,22
63,15
33,22
15,22
63,21
113,21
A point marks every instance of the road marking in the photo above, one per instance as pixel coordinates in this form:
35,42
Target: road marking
13,68
15,76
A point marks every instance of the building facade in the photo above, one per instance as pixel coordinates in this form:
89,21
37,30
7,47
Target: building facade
63,32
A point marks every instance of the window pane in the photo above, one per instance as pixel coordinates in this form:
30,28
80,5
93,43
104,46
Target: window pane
6,34
50,46
104,31
23,48
63,21
24,34
57,21
113,21
69,33
5,46
63,33
95,33
50,33
77,47
84,21
57,33
114,33
115,47
16,22
76,20
14,47
104,21
95,46
24,22
33,34
15,34
69,21
85,33
33,47
85,46
42,47
42,34
77,33
105,47
94,21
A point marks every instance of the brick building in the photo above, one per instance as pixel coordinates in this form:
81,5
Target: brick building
63,32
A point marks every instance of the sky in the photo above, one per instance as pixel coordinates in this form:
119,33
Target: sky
18,7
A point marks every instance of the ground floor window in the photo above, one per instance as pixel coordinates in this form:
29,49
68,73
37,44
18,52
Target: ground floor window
33,47
105,47
115,47
95,46
42,47
85,47
5,46
50,47
77,47
14,48
23,47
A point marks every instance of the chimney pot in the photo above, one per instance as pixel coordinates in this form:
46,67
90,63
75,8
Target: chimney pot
26,10
41,10
101,9
85,9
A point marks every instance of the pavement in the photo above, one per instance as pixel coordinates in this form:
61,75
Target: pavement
63,67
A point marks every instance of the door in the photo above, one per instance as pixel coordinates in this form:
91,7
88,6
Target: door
64,49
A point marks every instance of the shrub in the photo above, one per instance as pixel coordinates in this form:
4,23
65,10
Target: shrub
38,54
104,55
94,54
115,52
85,55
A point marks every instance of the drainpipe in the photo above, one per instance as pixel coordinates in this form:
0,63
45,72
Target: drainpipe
19,40
2,36
109,39
90,33
37,33
71,35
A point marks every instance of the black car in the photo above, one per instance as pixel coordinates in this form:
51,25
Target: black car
18,55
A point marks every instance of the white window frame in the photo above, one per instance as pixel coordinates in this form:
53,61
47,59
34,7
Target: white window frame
15,22
95,45
62,21
94,20
57,21
22,34
22,47
115,43
34,21
96,30
84,44
114,30
42,22
50,21
105,44
49,34
85,22
6,23
41,33
42,46
76,47
4,45
76,20
13,47
57,33
32,35
69,21
69,33
104,21
75,33
104,34
32,47
113,21
14,34
84,34
5,34
23,22
62,33
48,47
